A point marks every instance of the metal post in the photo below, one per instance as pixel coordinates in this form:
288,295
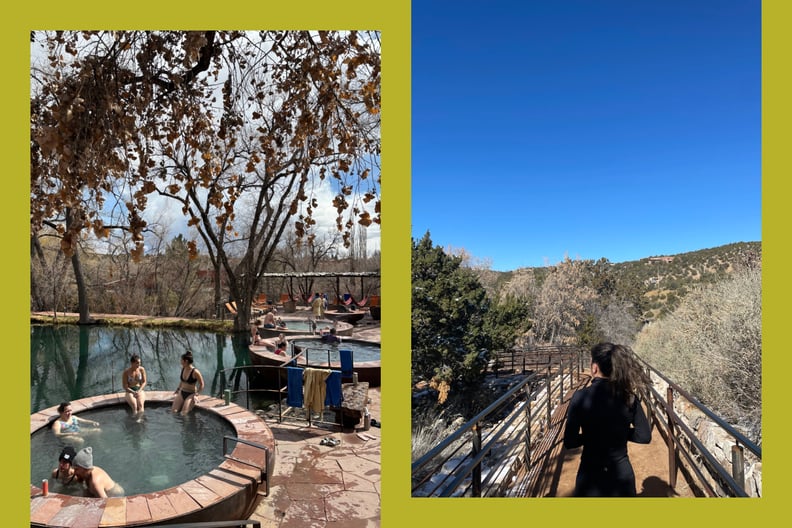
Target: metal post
476,476
549,398
561,381
738,465
672,441
528,426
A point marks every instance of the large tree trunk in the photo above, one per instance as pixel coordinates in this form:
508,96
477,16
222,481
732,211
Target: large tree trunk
37,254
82,291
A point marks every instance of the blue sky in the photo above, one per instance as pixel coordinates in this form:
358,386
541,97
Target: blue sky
609,128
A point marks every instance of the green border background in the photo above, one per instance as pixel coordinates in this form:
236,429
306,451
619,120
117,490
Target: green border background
393,19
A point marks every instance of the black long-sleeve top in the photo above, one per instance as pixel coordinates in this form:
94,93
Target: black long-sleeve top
606,421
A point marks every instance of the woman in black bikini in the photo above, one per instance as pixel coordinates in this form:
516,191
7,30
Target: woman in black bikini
190,384
133,381
64,474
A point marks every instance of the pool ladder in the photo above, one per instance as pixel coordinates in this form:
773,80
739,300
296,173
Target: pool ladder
264,479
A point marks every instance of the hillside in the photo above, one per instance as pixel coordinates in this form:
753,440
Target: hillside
665,279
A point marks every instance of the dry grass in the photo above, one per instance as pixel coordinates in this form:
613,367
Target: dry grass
136,321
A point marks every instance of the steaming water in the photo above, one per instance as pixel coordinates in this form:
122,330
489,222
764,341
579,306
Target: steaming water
157,452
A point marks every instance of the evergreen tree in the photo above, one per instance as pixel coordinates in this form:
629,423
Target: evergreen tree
449,308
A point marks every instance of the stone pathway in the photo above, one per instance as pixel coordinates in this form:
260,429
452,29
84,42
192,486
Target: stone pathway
319,486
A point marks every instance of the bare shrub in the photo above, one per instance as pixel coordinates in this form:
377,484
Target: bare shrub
711,345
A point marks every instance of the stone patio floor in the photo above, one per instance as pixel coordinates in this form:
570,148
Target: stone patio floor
319,486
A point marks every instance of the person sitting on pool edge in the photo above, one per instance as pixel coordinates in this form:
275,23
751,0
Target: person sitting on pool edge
96,479
191,383
254,328
133,380
269,320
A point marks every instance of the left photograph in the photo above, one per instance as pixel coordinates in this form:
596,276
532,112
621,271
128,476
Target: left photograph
205,281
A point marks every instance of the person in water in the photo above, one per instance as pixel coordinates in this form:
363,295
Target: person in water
191,383
67,425
96,479
330,337
134,380
64,475
603,417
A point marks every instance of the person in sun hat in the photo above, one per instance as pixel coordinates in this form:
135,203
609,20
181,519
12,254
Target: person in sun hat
64,474
96,479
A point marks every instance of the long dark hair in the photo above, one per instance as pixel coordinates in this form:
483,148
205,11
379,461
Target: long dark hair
625,374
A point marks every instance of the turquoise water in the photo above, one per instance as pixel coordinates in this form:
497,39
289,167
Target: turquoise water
69,362
300,325
318,352
158,451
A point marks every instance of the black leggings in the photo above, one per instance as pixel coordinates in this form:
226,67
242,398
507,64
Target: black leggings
614,478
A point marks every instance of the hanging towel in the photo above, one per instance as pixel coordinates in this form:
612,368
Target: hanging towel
315,388
346,362
294,386
334,397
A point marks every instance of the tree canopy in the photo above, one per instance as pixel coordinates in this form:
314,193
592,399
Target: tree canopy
237,128
455,324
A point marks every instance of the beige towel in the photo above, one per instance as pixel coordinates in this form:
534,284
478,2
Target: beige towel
315,388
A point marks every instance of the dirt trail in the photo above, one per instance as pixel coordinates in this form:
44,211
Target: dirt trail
649,461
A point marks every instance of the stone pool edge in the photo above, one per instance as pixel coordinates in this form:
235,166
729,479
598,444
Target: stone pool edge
225,491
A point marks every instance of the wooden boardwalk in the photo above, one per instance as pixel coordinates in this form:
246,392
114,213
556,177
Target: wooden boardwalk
649,461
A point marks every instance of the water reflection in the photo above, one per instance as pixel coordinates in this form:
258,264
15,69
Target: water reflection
68,362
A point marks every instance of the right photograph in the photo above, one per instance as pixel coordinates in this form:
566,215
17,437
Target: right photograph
586,244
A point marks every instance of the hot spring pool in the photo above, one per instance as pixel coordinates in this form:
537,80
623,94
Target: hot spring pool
227,489
157,452
316,352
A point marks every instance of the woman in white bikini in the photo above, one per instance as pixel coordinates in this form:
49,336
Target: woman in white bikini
190,384
134,381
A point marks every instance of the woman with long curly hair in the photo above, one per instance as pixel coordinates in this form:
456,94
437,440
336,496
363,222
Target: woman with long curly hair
603,417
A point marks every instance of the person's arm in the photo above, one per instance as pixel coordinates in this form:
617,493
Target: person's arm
572,436
86,421
145,378
97,488
125,382
641,433
199,385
